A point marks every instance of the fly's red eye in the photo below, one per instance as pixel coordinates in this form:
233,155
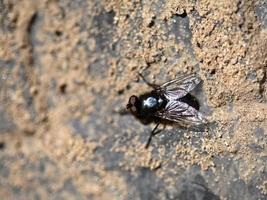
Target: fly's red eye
132,100
133,109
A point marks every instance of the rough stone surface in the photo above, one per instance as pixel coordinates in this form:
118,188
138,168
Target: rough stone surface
67,69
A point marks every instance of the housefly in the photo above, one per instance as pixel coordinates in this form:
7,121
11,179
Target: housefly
170,102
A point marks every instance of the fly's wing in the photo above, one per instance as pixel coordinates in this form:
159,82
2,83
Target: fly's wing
179,87
181,113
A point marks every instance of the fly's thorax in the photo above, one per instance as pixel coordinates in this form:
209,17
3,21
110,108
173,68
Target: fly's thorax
151,103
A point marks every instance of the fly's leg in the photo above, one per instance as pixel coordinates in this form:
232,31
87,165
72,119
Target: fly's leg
153,132
154,86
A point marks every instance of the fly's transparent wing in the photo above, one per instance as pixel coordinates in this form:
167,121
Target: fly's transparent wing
179,87
181,113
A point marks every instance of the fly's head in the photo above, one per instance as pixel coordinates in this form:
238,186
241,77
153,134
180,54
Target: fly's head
133,105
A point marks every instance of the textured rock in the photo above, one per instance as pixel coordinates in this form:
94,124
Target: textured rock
68,68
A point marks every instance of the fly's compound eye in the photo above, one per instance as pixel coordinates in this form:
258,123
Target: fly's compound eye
133,109
133,100
132,104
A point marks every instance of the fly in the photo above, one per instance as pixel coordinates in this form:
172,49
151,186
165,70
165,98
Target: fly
169,102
